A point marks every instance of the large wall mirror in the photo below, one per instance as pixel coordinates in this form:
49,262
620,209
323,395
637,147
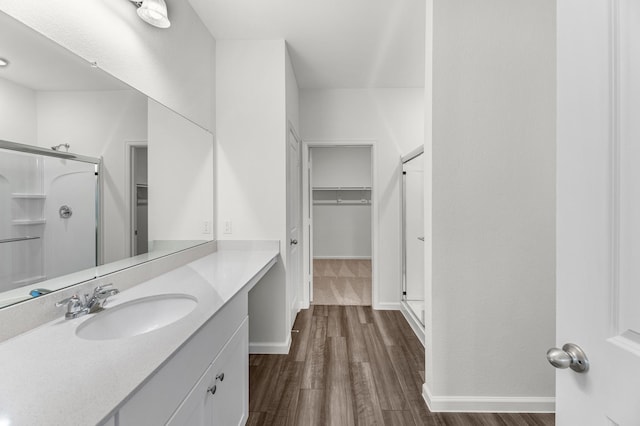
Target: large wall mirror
94,176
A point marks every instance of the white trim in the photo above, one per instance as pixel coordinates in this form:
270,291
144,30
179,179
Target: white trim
303,305
342,257
488,404
413,154
395,306
417,328
270,348
306,145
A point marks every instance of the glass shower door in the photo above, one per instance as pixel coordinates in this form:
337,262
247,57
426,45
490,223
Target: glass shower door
48,220
413,236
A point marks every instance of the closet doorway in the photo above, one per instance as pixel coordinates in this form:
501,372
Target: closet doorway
340,218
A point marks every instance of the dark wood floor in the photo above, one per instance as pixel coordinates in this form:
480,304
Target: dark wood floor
351,365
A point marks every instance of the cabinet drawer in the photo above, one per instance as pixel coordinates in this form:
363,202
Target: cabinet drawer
221,396
158,398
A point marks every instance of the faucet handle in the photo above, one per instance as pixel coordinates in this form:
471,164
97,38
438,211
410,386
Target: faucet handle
75,306
102,287
69,301
104,290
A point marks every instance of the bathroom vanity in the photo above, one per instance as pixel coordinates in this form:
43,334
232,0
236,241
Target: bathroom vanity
192,369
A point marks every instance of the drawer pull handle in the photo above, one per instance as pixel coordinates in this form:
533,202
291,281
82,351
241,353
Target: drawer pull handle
220,377
212,390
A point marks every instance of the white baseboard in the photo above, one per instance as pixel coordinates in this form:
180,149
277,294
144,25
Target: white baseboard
418,329
303,305
342,257
395,306
270,348
488,404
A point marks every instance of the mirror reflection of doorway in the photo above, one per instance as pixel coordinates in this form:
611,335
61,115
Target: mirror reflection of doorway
139,200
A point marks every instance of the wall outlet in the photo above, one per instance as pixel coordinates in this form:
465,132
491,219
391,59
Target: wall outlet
206,228
227,227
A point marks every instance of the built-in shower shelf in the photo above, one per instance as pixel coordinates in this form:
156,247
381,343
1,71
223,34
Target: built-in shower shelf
26,222
30,280
28,196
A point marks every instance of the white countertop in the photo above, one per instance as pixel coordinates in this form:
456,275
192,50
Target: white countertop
50,376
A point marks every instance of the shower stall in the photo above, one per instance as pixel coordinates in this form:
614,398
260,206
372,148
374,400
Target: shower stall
49,215
413,282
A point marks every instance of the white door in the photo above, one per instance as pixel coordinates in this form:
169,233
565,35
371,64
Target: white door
294,212
598,209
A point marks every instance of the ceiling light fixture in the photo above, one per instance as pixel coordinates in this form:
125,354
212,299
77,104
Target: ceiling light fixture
153,12
4,63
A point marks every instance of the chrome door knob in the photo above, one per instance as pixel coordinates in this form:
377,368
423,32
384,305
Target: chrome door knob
570,356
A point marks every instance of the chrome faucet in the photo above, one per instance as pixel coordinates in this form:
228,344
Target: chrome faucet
78,306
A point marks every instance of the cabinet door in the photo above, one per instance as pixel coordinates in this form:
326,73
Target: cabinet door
196,409
221,396
231,399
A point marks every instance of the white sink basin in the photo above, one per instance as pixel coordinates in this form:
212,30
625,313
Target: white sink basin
137,317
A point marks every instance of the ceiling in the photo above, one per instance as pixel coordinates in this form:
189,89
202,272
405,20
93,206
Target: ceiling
332,43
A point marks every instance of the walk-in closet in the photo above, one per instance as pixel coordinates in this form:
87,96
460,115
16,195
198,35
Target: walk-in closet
341,186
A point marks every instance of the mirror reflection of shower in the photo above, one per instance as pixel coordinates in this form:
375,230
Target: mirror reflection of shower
66,146
38,240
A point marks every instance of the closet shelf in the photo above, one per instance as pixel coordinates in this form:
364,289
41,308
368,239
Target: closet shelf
26,222
341,202
341,188
28,195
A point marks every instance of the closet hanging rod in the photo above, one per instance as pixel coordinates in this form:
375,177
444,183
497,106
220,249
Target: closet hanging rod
342,203
13,240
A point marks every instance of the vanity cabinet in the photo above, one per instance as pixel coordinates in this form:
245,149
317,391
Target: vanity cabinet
178,393
221,396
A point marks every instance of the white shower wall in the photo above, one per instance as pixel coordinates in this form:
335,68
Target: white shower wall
69,243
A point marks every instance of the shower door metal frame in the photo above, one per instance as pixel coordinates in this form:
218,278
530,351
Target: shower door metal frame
97,162
405,159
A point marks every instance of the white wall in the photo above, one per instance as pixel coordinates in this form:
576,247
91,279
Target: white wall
251,117
292,95
97,124
173,66
394,119
341,166
180,176
17,113
341,231
493,205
